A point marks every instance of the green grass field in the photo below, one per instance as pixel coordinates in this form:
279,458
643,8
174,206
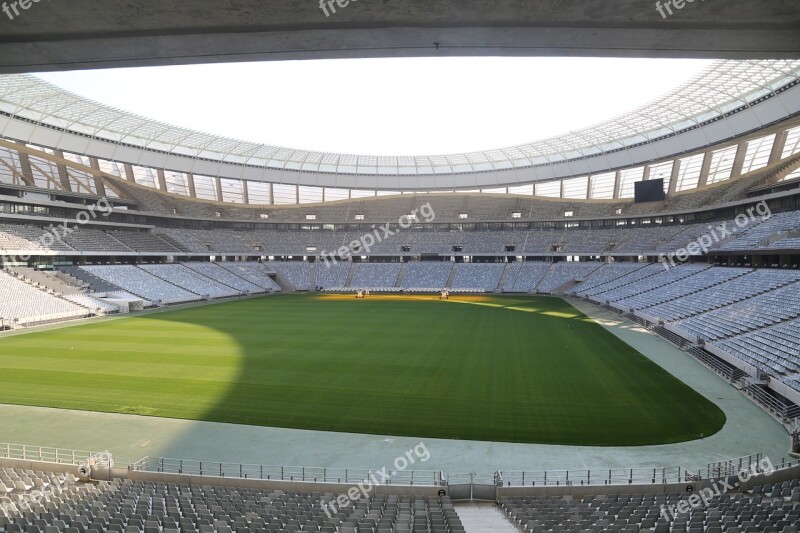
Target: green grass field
521,369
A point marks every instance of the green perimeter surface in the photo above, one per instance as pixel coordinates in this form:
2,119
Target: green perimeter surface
515,369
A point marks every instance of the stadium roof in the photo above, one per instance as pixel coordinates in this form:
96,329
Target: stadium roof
725,87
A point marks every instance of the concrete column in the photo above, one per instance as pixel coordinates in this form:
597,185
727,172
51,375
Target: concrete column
589,187
162,179
705,169
218,186
245,192
99,186
63,175
190,183
26,169
738,161
129,173
646,175
778,146
618,185
673,182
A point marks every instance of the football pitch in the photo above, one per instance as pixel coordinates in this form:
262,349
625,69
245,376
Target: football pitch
510,369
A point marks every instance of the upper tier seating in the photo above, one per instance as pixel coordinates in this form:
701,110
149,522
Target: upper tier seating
22,237
145,242
758,234
92,240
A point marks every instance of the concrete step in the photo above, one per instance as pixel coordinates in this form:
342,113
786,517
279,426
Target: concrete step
483,518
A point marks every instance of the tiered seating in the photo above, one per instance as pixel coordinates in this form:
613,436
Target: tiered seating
757,232
492,242
186,238
145,242
735,290
23,304
769,508
680,281
761,311
93,240
525,276
477,277
220,241
332,276
92,304
255,273
95,284
190,280
429,242
773,350
130,506
562,273
660,278
634,275
605,275
375,275
30,238
143,284
18,487
224,276
297,272
430,275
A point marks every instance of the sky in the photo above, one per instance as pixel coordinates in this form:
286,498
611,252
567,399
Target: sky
407,106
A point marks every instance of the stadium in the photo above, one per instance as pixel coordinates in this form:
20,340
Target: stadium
594,331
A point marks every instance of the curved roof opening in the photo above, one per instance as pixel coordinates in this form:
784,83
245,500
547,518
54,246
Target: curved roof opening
407,106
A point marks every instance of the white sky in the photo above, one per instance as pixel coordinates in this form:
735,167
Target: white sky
388,106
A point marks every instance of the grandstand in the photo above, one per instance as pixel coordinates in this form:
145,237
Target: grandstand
543,310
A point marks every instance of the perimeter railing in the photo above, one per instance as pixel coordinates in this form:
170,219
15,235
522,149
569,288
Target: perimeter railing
342,476
753,464
619,476
57,455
